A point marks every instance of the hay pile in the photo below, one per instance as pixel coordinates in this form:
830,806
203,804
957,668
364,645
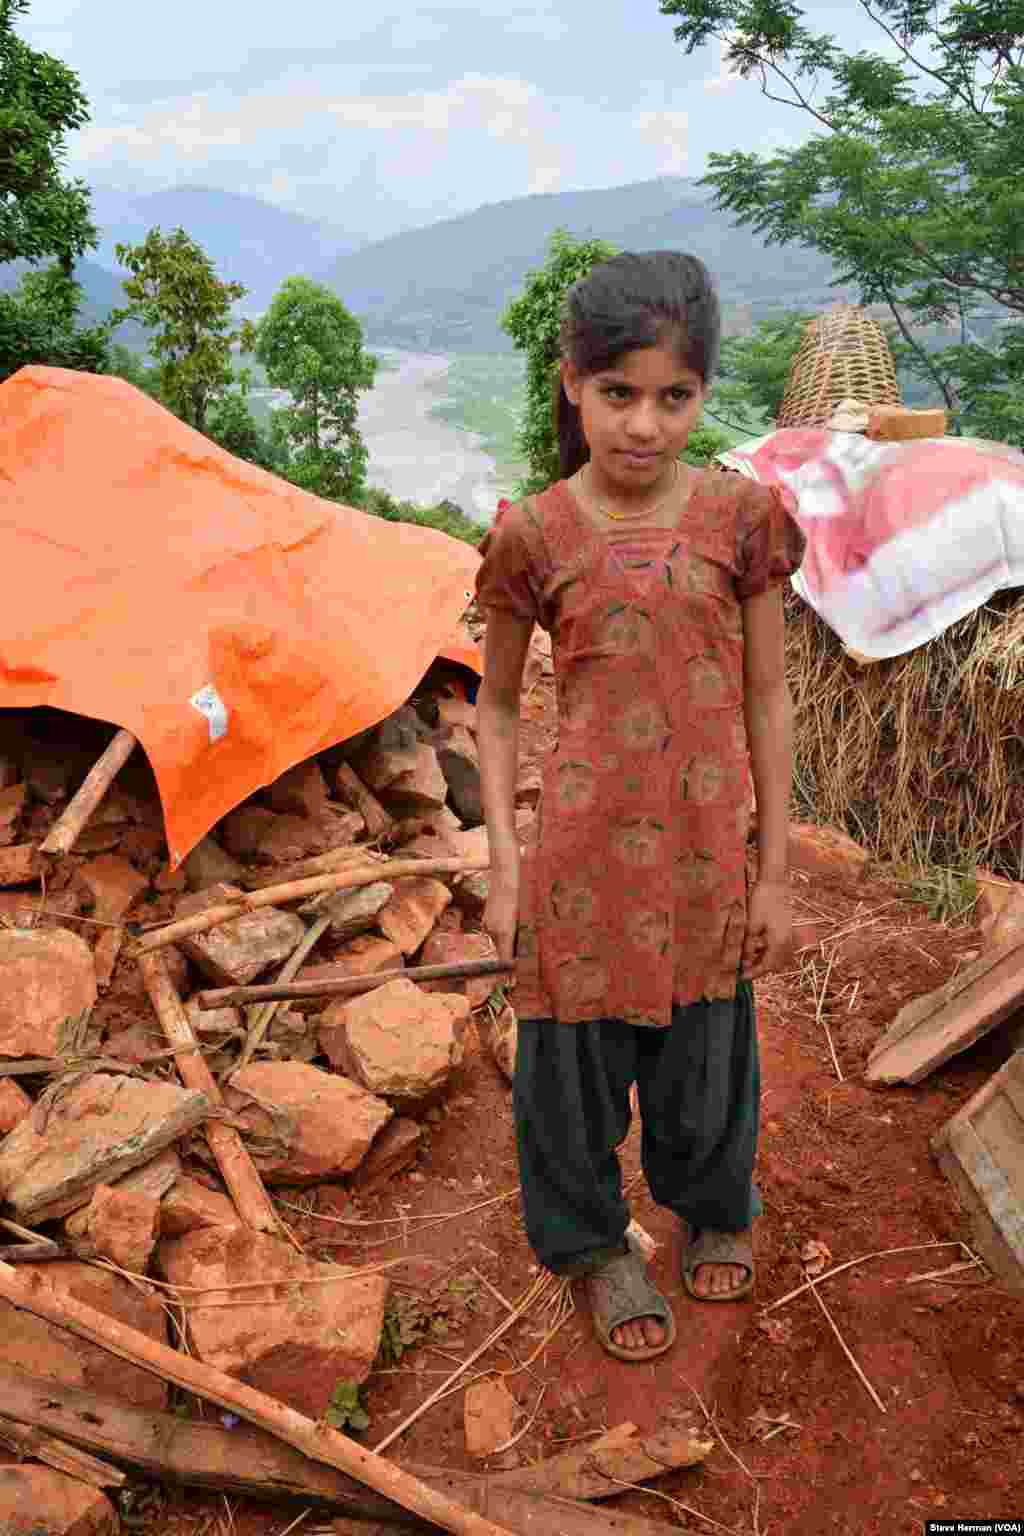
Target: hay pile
920,758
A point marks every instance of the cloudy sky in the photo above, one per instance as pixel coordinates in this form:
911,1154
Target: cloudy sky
380,118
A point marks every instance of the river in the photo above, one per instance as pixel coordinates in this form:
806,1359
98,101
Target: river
415,456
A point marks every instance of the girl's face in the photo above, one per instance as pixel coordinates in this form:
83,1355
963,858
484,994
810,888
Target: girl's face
637,415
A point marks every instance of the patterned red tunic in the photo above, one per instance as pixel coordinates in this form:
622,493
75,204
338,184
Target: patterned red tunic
634,896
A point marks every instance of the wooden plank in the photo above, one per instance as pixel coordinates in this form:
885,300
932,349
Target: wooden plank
60,1455
981,1152
931,1029
252,1463
66,831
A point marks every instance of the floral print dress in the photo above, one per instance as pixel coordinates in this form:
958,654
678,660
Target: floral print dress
633,897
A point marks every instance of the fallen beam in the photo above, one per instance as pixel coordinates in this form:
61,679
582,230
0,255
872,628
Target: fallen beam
227,997
314,1439
249,1462
68,828
298,890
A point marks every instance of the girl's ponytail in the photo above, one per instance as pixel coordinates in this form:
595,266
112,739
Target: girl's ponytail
573,452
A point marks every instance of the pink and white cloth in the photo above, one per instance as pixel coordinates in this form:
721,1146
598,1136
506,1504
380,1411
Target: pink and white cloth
903,539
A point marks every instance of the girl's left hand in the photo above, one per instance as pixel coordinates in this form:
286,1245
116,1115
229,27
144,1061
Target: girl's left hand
768,943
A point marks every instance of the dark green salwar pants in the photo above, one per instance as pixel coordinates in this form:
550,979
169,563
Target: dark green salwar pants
698,1085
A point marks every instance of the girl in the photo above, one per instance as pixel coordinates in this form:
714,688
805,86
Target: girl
634,936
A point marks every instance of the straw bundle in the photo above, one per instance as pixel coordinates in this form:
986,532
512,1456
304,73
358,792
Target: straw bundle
921,758
844,355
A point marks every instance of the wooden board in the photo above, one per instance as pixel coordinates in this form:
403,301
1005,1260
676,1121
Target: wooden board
981,1152
931,1029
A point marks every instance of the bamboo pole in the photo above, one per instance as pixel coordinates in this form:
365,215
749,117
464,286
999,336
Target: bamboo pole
264,1015
348,986
244,1183
297,890
68,828
314,1439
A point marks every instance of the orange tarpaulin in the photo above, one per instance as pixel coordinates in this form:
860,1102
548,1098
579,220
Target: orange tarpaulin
232,623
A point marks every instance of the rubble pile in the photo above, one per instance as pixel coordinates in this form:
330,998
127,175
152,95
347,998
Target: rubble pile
131,1116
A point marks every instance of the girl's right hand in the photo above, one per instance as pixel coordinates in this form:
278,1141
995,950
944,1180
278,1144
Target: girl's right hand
501,915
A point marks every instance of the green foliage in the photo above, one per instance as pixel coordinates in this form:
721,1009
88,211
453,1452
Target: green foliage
533,321
914,182
312,347
41,102
37,325
446,517
231,424
128,365
950,895
755,369
347,1409
705,444
175,292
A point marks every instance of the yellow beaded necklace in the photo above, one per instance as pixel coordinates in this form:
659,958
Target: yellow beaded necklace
621,517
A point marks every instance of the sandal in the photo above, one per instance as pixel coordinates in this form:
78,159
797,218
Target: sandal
710,1247
620,1292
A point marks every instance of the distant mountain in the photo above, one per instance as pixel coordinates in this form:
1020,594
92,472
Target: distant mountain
249,241
444,287
101,292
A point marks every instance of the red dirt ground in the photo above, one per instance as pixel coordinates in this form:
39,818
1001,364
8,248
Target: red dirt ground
841,1165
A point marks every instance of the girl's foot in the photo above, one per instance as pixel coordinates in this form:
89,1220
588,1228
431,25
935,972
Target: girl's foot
718,1266
632,1320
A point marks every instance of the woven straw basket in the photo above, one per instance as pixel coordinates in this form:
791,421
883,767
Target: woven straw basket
844,356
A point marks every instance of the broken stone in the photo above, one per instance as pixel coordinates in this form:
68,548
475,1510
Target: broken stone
393,1150
122,1224
825,851
407,781
471,893
472,844
332,1121
152,1180
452,948
398,1041
100,1128
39,1348
39,1501
456,712
489,1416
20,865
135,1044
189,1206
214,1023
48,773
143,845
292,838
460,765
413,910
22,909
293,1035
12,804
294,1341
48,976
499,1035
351,912
113,884
364,956
1007,927
244,828
14,1104
300,791
210,864
236,952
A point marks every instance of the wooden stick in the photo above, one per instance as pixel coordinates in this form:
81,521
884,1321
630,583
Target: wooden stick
56,1453
42,1252
68,828
297,890
264,1015
821,1014
317,1440
319,864
237,1168
595,1470
847,1351
355,793
224,997
251,1462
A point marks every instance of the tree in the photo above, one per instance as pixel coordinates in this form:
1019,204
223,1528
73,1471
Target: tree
912,180
754,372
312,347
233,426
534,322
175,292
705,443
37,325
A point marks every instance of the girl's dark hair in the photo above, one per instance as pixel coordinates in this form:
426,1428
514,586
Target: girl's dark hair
628,302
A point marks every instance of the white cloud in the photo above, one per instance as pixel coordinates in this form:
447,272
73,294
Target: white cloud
670,133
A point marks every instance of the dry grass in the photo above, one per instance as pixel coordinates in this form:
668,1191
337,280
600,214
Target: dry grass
920,758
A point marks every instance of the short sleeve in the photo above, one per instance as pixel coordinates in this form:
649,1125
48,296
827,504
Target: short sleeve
769,542
506,578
